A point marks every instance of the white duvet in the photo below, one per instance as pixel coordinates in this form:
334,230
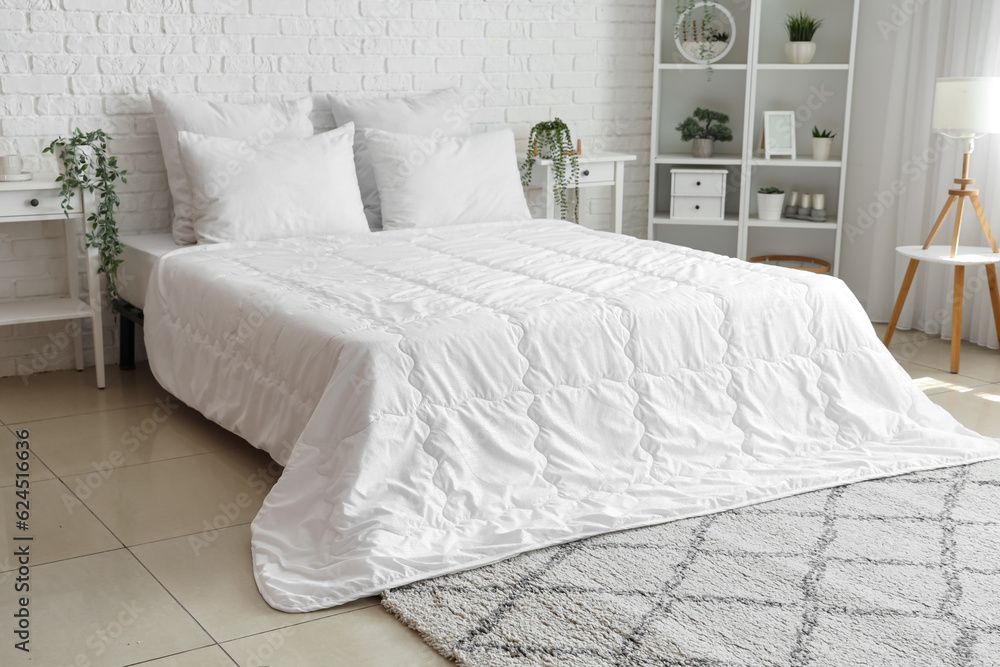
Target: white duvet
445,398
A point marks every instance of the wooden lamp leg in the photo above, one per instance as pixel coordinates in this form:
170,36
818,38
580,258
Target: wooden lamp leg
956,318
984,222
940,221
911,271
958,226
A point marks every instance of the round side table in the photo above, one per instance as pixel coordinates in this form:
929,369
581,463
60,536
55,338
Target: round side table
965,256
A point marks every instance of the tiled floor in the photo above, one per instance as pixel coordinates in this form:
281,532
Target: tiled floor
140,557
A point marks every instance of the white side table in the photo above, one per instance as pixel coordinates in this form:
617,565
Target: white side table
965,256
39,199
596,170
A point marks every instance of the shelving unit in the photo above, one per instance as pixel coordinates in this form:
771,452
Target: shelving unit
752,78
39,199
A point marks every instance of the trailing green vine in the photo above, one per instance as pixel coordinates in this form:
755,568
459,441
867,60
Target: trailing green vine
94,172
551,140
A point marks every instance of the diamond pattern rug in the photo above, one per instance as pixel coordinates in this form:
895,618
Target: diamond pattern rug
903,571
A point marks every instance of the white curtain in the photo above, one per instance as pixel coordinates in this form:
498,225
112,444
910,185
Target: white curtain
943,38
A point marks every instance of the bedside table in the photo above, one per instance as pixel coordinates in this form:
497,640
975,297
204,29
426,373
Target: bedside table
596,170
39,199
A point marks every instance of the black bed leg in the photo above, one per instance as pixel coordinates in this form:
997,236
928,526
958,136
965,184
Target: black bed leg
126,353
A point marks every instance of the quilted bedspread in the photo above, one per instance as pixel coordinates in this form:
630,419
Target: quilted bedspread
445,398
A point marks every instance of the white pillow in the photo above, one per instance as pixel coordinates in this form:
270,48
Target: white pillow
425,182
257,123
289,187
440,114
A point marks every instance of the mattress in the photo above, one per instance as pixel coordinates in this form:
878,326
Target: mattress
139,255
446,398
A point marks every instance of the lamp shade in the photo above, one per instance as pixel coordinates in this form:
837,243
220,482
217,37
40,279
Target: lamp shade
967,107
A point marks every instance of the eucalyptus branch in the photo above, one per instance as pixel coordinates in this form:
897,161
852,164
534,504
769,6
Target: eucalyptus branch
97,173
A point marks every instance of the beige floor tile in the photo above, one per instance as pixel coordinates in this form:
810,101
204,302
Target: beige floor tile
978,409
902,335
103,610
63,393
165,499
37,470
213,656
211,575
934,381
127,436
977,362
366,638
59,523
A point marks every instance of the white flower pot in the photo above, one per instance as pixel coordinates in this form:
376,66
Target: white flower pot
704,52
800,53
769,207
821,148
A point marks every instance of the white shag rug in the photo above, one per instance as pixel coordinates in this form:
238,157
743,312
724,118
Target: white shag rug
893,572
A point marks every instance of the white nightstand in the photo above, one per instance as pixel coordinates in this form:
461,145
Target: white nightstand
39,199
596,170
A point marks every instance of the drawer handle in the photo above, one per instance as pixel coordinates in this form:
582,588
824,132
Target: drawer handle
697,207
34,202
698,183
586,172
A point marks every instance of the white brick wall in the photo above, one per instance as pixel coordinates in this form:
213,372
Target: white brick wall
90,64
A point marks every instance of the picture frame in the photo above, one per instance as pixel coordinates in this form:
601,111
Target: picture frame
779,134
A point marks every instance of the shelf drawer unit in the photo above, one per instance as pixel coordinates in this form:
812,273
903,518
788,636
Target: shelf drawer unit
698,194
39,199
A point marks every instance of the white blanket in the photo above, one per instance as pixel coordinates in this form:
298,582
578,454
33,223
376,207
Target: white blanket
445,398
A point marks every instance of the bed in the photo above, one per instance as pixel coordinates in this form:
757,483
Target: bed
444,398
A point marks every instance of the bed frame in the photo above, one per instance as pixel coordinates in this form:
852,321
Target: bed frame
128,317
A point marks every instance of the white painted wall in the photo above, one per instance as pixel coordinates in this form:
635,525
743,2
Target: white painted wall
90,63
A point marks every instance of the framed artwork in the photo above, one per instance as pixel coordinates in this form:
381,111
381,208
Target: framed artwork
779,134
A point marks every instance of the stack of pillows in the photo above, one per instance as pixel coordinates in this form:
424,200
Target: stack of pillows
245,172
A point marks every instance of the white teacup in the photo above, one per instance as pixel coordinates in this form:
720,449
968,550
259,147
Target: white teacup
11,165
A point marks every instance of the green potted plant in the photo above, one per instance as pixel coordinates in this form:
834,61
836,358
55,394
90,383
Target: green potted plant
801,28
770,202
88,166
551,140
822,143
700,130
703,32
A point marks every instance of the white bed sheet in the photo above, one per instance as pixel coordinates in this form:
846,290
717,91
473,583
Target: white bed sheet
139,254
445,398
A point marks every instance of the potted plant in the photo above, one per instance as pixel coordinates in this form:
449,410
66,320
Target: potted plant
801,28
551,140
822,143
700,130
770,202
87,165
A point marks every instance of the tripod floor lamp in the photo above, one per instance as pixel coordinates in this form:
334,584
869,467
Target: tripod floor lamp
963,109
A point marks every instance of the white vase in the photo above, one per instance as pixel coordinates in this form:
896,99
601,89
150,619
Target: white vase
769,207
821,148
800,53
704,52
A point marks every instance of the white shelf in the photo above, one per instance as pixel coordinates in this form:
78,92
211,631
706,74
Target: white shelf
743,92
731,220
815,67
685,158
27,311
787,223
798,162
685,67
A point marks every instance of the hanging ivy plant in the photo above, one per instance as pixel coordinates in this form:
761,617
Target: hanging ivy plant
551,140
87,166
